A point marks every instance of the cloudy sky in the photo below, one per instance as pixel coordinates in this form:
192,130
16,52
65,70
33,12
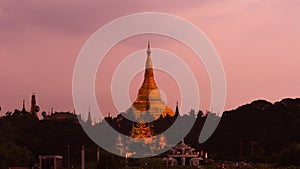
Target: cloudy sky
258,42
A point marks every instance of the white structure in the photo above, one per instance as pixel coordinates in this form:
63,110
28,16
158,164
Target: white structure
183,154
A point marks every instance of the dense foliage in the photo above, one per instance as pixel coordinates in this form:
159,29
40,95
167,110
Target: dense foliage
256,132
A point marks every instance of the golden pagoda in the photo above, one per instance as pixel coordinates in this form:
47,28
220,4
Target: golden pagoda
149,99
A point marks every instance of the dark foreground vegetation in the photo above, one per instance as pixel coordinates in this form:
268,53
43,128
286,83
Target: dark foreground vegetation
259,132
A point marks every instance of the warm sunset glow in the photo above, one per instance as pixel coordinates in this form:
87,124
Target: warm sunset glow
258,42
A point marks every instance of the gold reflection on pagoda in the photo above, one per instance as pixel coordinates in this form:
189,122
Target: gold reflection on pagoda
149,98
141,130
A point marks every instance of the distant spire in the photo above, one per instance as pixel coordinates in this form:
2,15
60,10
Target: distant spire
33,106
23,108
177,110
89,119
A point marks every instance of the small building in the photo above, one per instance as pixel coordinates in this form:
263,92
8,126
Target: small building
50,161
60,116
182,154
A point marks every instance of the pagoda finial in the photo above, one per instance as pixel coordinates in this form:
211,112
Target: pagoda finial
149,62
148,43
148,49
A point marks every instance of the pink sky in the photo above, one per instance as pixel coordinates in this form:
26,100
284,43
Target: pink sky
258,42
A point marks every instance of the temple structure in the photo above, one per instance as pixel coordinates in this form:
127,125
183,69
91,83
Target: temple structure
148,112
182,154
148,105
62,116
149,98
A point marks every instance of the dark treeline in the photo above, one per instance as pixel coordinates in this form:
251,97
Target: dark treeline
123,124
257,132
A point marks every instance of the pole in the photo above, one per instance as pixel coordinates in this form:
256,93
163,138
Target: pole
98,154
82,158
126,162
252,147
68,156
40,158
241,152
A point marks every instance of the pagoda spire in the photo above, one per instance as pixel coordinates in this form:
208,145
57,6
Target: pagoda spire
149,62
177,110
148,98
34,107
89,119
149,83
33,104
23,108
